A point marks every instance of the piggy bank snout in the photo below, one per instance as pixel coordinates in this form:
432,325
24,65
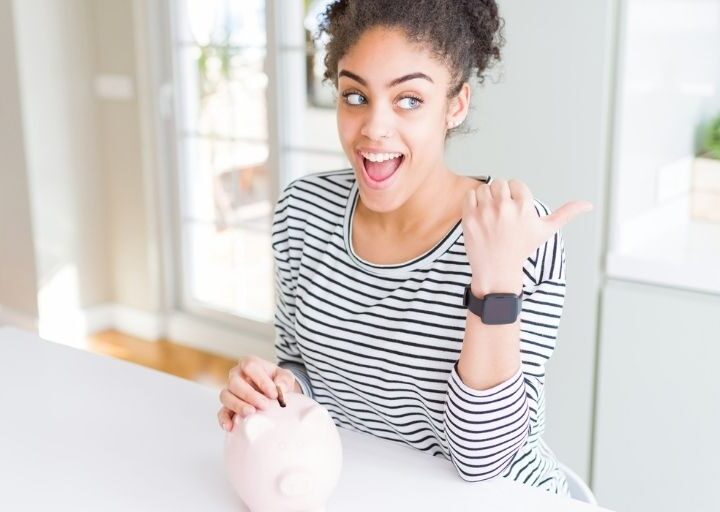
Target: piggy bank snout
294,483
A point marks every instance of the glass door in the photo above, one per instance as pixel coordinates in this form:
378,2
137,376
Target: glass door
251,116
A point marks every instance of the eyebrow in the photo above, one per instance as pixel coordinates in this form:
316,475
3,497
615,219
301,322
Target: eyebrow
393,83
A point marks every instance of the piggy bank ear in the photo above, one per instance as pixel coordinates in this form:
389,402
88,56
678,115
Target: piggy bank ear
314,417
256,425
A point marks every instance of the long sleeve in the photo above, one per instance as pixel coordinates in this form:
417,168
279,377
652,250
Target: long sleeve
487,429
286,250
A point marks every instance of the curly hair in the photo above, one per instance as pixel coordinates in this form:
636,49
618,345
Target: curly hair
465,35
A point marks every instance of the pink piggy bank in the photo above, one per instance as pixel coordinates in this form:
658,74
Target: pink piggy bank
285,459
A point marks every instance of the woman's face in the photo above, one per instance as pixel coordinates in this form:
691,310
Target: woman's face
392,102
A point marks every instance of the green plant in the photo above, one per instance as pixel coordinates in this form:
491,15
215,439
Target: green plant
221,52
711,140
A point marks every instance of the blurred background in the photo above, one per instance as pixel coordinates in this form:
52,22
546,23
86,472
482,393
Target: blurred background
143,144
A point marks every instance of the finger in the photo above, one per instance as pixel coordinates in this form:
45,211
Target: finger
259,378
483,194
500,189
235,404
567,212
520,191
243,390
469,201
469,204
225,418
285,379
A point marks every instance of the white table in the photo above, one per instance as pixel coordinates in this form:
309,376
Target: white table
84,432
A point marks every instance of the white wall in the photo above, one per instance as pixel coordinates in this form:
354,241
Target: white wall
120,155
18,301
68,189
545,123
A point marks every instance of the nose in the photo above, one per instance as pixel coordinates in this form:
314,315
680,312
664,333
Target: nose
294,483
379,123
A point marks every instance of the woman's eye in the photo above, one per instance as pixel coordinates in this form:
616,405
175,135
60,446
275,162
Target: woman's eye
413,102
350,95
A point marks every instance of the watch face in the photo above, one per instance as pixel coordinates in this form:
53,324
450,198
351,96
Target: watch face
500,309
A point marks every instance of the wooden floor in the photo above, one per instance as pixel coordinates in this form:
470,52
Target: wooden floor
165,356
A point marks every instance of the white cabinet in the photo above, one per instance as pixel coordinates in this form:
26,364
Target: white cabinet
658,400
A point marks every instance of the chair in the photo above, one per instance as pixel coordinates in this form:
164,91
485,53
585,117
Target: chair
578,489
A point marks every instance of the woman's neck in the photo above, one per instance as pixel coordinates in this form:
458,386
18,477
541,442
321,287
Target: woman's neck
425,205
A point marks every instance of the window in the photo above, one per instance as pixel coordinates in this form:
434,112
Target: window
251,115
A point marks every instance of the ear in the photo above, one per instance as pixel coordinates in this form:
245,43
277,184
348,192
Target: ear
255,426
459,105
314,417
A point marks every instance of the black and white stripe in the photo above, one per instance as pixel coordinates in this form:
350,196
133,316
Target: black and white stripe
377,345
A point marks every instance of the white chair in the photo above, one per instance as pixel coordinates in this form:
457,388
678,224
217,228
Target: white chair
578,489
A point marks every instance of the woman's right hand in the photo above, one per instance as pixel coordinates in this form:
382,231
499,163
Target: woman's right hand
251,386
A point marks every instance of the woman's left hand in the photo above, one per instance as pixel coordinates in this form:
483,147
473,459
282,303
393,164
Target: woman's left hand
502,229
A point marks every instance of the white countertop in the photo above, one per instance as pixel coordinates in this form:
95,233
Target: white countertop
84,432
682,255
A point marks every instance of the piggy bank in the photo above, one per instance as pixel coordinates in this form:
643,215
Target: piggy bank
284,459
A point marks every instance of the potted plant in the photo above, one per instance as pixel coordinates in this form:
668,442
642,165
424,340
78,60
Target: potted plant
706,176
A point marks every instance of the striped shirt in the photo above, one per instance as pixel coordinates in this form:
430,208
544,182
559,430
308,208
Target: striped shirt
377,345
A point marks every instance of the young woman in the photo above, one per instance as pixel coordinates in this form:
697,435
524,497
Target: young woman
383,270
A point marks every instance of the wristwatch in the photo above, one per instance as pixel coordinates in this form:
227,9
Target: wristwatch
494,308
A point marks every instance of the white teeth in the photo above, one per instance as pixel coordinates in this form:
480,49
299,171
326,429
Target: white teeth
380,157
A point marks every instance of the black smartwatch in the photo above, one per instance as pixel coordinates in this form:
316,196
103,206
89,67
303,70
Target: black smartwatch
494,308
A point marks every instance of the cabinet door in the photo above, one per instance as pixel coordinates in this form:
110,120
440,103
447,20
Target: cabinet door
658,409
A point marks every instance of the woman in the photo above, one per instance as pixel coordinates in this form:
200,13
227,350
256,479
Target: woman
377,265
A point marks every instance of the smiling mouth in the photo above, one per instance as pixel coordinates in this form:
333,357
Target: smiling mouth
378,172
